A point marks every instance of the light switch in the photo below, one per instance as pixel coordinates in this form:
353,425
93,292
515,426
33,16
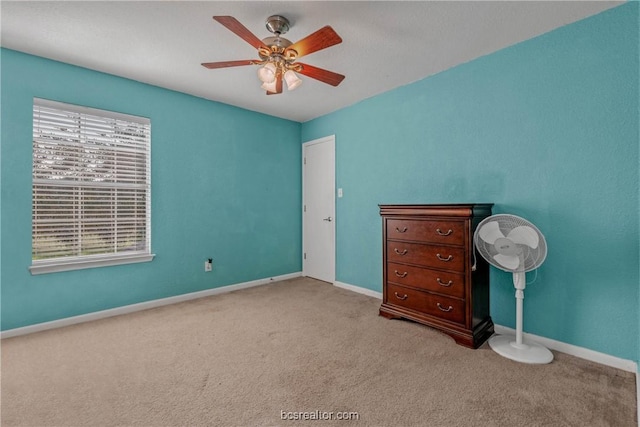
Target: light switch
339,192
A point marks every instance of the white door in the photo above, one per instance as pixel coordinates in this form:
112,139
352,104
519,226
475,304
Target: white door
318,216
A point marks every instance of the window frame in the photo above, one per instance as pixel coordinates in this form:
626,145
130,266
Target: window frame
76,262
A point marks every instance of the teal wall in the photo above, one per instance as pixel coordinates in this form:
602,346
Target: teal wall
546,129
219,189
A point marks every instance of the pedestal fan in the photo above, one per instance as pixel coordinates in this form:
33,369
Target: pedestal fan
513,244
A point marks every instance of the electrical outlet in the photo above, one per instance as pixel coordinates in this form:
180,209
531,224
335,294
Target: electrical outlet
208,265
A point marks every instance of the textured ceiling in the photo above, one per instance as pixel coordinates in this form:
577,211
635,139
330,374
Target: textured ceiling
385,44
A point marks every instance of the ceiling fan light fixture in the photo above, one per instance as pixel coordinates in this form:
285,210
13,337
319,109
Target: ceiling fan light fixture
269,87
293,81
267,74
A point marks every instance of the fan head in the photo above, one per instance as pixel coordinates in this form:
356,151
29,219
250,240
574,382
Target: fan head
510,243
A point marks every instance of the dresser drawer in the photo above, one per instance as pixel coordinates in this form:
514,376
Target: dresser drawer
432,280
447,232
425,302
445,257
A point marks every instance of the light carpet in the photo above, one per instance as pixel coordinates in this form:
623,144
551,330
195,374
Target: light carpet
277,354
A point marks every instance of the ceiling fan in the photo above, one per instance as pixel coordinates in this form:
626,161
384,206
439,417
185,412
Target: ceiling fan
278,56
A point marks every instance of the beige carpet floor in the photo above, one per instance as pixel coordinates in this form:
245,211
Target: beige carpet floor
249,357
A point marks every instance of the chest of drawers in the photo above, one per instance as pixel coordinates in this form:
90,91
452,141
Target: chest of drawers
428,269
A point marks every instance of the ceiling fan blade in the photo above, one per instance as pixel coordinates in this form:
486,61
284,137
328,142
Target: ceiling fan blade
240,30
321,39
225,64
524,235
325,76
490,232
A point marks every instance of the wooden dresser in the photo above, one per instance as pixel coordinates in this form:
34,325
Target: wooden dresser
427,269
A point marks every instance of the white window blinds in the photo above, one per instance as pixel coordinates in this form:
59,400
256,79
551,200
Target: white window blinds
91,187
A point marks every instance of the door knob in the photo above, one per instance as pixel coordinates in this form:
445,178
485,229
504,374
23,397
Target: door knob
328,219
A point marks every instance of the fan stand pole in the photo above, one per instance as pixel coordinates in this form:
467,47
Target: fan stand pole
519,282
517,350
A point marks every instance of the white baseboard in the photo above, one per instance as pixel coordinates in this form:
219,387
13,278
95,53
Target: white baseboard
140,306
358,289
574,350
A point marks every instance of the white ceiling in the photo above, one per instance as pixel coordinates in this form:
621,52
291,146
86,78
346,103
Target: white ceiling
385,44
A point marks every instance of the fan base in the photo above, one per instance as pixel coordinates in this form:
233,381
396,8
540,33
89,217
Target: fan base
527,352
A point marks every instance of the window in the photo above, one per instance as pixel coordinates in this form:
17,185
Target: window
91,188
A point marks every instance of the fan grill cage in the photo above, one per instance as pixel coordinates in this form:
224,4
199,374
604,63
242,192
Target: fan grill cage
531,258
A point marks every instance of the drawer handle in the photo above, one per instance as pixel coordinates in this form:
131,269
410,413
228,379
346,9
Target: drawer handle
401,297
447,259
404,252
444,234
404,230
401,275
441,283
446,310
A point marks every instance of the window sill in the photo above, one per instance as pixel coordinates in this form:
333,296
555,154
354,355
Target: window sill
43,267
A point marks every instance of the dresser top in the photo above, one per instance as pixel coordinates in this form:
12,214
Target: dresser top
446,209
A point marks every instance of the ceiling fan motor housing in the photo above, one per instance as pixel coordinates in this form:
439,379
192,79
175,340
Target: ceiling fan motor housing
277,25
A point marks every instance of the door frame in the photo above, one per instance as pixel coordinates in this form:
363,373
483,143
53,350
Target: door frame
325,139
